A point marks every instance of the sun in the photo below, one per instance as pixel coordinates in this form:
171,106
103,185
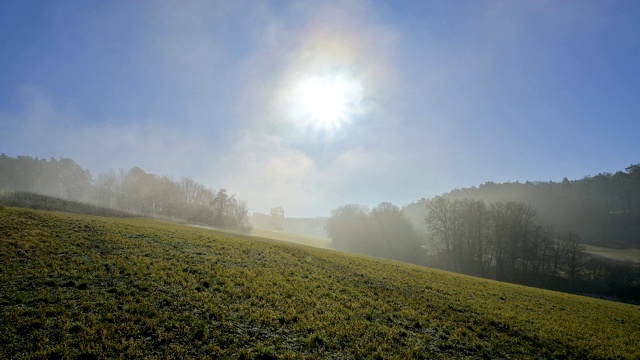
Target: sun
326,102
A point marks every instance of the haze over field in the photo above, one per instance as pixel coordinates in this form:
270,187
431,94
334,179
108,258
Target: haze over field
309,105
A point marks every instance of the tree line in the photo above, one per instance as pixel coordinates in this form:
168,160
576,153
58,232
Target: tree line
383,231
507,241
135,191
503,240
506,238
603,209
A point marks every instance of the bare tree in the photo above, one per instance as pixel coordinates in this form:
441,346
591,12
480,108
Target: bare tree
573,253
439,221
106,185
277,218
478,237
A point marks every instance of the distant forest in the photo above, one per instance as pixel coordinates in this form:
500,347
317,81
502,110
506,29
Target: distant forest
134,191
603,209
531,233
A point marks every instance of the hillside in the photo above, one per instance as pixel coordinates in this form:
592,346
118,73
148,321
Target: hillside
77,286
315,241
603,209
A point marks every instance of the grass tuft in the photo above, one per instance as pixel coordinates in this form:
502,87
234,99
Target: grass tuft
315,341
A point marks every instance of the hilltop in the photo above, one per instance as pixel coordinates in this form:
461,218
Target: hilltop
78,286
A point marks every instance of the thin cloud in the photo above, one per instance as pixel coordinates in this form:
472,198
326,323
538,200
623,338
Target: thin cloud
46,131
271,174
336,38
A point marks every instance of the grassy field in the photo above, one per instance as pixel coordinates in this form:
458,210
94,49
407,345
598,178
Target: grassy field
83,287
615,254
315,241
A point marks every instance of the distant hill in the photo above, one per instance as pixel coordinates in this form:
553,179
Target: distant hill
305,226
603,209
77,286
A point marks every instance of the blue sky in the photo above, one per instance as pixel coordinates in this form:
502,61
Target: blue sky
439,94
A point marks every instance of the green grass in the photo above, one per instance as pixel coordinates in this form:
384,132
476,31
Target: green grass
615,254
76,286
315,241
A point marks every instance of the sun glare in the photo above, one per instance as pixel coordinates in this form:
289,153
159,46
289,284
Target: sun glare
326,103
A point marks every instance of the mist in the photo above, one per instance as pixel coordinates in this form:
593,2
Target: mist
432,96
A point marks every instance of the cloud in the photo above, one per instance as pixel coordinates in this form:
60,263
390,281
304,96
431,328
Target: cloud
269,174
327,39
43,130
281,161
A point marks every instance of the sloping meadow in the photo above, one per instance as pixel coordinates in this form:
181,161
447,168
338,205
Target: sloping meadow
76,286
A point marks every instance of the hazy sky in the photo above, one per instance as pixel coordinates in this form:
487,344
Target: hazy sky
310,105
